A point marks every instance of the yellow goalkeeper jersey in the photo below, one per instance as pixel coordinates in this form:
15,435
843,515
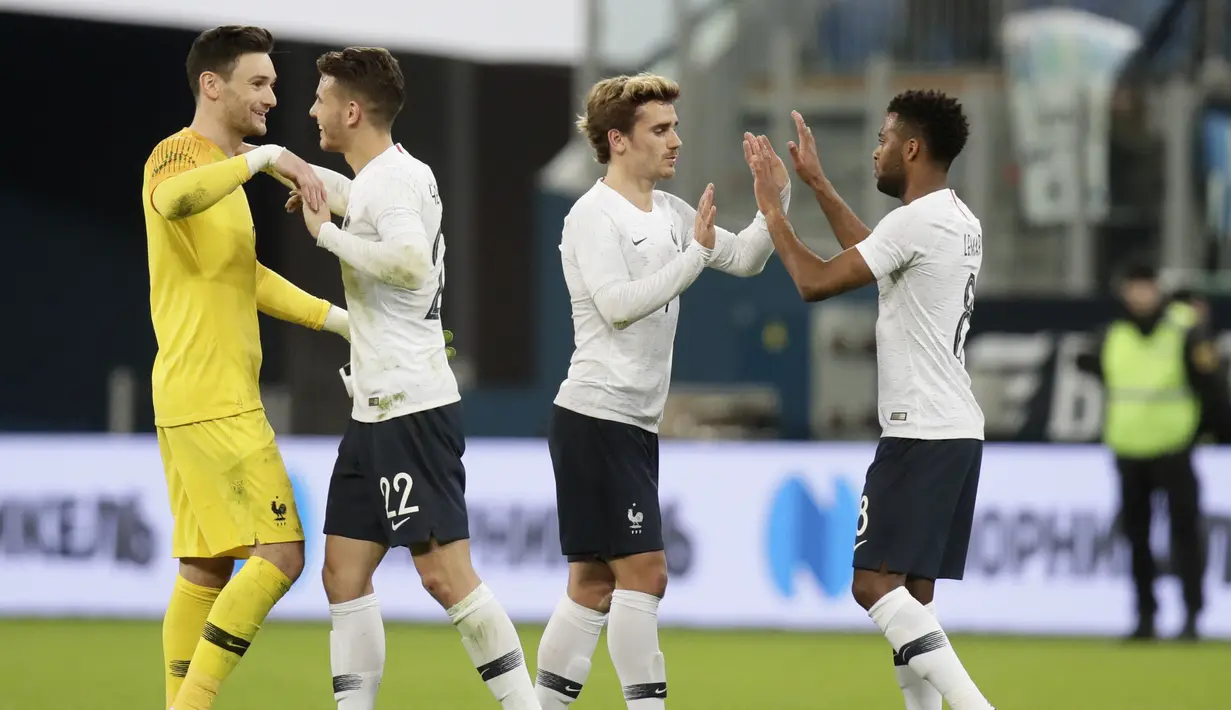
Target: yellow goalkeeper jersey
205,283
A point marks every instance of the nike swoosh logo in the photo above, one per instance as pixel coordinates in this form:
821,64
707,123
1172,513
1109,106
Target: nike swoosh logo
402,522
636,243
856,544
659,691
571,689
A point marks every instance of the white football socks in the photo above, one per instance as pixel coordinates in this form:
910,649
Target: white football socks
918,693
356,652
917,638
632,640
565,651
491,640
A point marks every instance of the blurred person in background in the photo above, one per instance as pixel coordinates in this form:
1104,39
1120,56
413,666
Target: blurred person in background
230,495
1161,375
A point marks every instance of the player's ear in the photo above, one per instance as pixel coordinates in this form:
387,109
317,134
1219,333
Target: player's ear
354,113
210,84
911,149
616,139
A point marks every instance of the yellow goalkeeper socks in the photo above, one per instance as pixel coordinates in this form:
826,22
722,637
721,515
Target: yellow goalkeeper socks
233,622
181,627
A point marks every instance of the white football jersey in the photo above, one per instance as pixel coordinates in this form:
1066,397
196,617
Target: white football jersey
394,280
926,258
625,269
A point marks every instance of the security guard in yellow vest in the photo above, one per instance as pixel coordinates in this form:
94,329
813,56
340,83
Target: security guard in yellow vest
1161,376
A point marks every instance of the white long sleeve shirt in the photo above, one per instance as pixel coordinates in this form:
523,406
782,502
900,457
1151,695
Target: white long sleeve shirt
625,269
392,251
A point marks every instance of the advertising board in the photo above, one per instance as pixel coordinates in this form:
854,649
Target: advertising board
758,535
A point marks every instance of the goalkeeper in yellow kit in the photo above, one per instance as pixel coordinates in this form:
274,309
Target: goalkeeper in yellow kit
229,490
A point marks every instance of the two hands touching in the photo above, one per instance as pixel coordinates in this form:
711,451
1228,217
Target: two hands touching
313,217
308,194
768,170
307,190
775,179
769,176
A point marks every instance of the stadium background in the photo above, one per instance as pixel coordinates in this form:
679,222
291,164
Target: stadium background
1100,134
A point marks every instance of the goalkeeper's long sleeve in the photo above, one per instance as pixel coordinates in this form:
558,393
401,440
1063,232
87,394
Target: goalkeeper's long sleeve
194,191
277,297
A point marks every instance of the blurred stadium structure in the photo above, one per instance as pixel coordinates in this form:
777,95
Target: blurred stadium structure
1101,133
1119,106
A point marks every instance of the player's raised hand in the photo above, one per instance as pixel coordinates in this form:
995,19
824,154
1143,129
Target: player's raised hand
803,153
778,173
315,218
763,161
703,226
309,186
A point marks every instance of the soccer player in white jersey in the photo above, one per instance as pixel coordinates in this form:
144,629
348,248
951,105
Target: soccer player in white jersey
628,252
399,479
918,501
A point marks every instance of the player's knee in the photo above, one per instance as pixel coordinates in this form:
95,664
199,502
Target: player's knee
439,584
656,582
592,593
648,575
867,588
343,583
286,556
291,566
207,572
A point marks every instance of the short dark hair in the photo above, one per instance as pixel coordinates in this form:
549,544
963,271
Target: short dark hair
371,73
218,50
938,119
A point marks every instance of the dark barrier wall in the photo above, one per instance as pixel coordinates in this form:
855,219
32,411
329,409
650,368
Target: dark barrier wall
1022,356
83,114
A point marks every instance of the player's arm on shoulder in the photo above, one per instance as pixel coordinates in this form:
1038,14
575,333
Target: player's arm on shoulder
743,254
403,256
595,242
277,297
183,182
337,185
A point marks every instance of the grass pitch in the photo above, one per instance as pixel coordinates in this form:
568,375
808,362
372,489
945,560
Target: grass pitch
109,665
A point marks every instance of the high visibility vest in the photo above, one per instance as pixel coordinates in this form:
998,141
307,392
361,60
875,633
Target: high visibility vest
1151,409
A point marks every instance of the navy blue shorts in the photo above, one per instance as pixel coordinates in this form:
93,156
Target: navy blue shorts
606,487
918,507
401,482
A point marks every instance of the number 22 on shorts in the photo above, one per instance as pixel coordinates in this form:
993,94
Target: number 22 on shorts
402,483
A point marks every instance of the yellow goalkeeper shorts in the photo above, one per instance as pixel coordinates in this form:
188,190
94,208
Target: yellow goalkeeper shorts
228,487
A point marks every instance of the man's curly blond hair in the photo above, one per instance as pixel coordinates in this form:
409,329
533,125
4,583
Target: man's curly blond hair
612,104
